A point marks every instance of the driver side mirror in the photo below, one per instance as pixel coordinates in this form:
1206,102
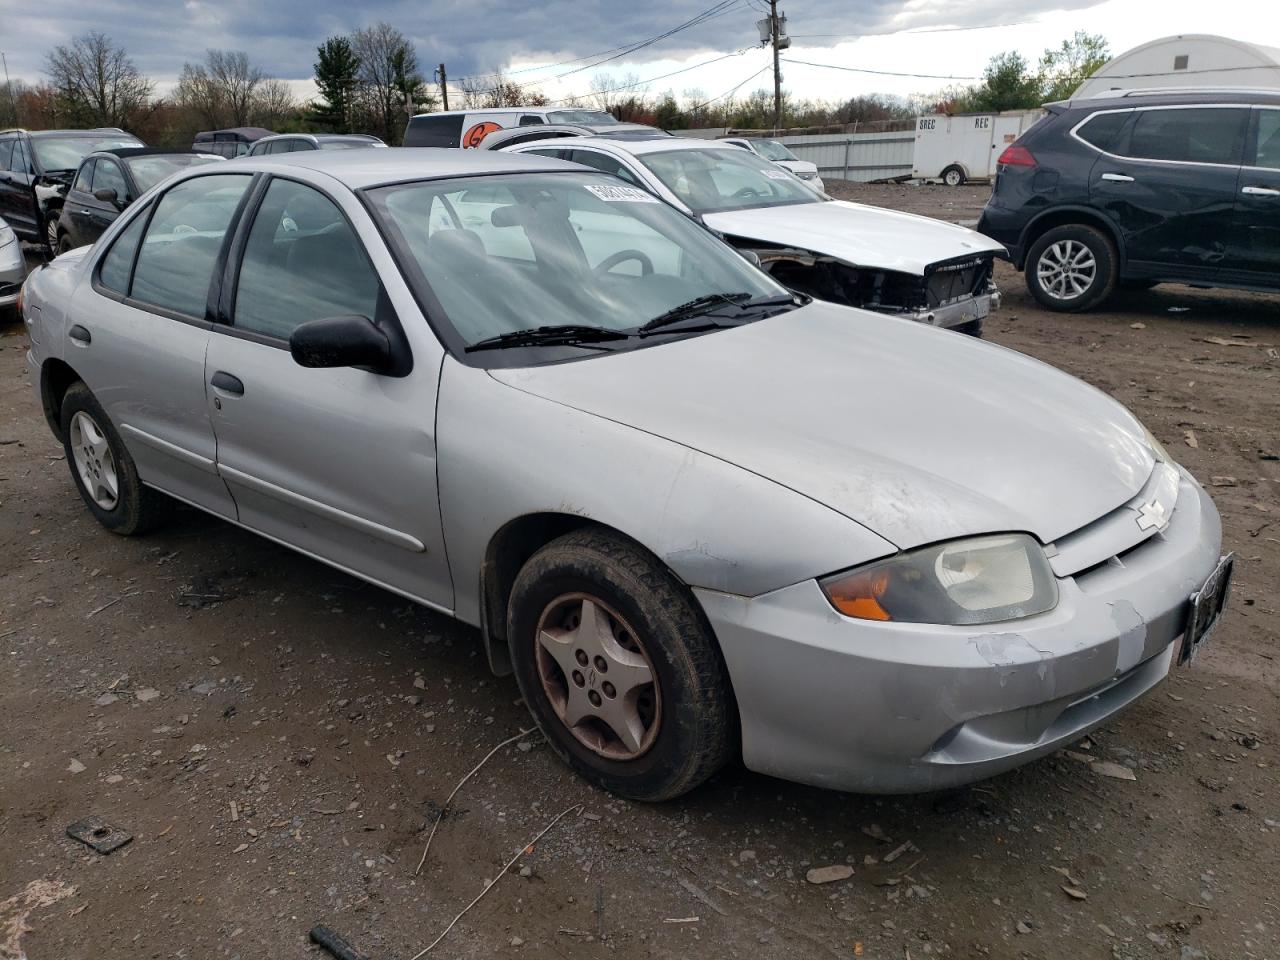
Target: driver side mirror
341,342
108,195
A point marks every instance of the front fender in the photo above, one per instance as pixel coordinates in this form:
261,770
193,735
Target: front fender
504,454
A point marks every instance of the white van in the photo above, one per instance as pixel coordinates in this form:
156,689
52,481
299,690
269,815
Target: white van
467,128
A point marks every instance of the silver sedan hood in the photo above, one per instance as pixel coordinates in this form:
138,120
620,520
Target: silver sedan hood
917,433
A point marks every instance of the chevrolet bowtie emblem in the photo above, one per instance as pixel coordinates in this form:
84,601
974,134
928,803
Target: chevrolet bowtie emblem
1152,515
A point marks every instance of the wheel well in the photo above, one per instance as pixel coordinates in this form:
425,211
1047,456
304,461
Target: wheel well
508,551
56,376
1062,218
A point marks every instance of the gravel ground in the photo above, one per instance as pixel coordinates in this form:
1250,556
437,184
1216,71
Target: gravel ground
277,738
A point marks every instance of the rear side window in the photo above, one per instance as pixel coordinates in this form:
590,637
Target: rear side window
118,263
302,262
175,264
1102,130
1190,135
6,151
605,164
1267,153
530,120
442,131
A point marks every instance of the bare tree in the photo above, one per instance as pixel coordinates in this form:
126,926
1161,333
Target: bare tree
495,90
274,104
97,79
391,86
607,92
222,91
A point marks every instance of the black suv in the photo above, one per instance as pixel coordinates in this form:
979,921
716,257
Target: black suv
36,168
1139,188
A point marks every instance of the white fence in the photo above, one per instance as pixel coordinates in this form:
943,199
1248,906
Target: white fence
857,156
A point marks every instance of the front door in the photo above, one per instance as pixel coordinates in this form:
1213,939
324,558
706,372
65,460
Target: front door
1255,252
17,197
1170,185
338,463
140,345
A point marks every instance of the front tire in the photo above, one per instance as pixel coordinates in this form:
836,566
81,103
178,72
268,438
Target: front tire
51,231
103,470
1071,268
619,668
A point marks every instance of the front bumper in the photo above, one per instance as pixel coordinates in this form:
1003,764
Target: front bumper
13,270
900,708
962,313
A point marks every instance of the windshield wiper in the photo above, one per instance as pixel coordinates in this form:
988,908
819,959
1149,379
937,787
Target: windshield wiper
702,306
559,335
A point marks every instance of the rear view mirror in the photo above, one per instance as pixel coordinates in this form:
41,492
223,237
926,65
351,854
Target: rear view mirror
107,195
341,342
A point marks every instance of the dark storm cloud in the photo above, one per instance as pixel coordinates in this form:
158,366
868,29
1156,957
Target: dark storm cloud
469,35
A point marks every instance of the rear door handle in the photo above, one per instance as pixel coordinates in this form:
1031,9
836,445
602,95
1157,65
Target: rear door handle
227,383
80,335
1260,191
1117,177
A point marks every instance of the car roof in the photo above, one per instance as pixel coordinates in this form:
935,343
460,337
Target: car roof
538,110
127,152
87,132
359,169
244,133
643,145
1186,96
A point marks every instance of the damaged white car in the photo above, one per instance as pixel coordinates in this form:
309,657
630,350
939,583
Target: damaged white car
898,263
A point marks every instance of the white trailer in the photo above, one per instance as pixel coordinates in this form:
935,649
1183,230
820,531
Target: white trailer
954,149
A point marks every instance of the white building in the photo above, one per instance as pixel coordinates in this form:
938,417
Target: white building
1190,60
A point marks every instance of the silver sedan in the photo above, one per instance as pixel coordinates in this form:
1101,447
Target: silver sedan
13,268
697,515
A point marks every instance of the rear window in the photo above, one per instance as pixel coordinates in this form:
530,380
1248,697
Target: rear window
1189,135
1102,130
441,131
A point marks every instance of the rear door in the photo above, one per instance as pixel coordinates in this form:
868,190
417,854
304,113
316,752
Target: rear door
1255,249
338,463
17,196
1170,184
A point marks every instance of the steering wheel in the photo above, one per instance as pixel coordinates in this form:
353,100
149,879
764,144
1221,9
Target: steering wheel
622,256
747,193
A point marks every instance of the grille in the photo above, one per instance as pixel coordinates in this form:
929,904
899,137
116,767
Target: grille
955,280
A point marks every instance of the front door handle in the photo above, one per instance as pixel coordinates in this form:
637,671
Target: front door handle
227,383
1260,191
1117,177
80,335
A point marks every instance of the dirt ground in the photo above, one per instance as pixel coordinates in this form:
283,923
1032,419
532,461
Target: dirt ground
277,737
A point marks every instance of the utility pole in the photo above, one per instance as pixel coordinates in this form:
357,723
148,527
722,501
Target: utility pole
777,66
444,87
13,104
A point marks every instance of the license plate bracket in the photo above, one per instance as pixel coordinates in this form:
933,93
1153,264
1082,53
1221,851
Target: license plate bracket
1207,605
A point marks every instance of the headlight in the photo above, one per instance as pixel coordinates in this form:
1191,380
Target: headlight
981,580
804,175
7,236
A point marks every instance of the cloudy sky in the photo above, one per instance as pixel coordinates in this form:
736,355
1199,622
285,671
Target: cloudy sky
532,39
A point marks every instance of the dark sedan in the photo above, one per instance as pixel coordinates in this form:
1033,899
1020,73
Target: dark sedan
108,181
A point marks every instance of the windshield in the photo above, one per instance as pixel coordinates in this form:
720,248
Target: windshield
148,171
65,153
717,178
516,252
773,150
580,116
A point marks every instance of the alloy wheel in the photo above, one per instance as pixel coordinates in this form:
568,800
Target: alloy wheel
1066,270
51,233
597,676
95,463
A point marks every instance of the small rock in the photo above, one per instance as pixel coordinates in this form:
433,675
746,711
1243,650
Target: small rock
1022,926
147,694
241,849
873,831
1138,326
831,874
75,766
413,701
105,700
1224,482
517,942
1116,771
526,871
1075,893
524,746
204,688
114,778
420,683
746,855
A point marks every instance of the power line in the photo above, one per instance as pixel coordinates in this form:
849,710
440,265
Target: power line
898,33
882,73
733,89
640,83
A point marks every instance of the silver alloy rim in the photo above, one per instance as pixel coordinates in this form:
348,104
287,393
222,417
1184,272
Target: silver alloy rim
1066,270
51,231
953,178
598,677
94,461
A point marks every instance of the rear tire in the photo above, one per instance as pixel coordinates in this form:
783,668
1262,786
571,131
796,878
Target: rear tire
103,470
1071,268
953,176
660,651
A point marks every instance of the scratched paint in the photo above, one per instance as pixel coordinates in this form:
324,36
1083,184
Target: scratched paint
1131,635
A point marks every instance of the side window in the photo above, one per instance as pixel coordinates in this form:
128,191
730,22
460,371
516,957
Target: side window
1190,135
108,176
175,264
302,262
84,179
116,265
1102,130
438,131
549,152
1267,153
20,162
6,151
604,163
530,120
